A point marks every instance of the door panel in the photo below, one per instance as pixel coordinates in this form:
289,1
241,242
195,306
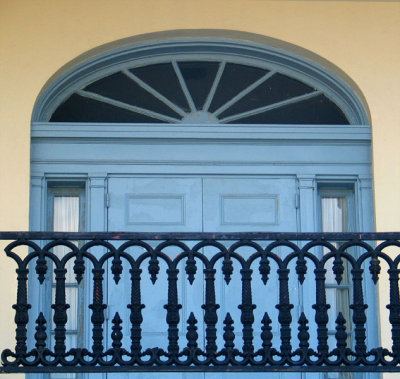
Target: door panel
150,205
244,204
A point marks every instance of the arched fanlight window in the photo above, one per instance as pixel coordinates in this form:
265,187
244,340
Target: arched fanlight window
199,92
198,81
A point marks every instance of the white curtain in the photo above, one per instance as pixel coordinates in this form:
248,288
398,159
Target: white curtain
66,214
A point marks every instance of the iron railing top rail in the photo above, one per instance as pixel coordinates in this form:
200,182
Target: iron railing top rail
187,236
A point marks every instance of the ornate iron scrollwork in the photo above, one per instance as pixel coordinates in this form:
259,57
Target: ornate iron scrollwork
229,345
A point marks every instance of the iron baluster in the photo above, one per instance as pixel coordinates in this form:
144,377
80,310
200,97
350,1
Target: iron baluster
97,308
210,312
136,317
21,312
394,309
284,307
359,317
173,311
60,312
247,307
321,311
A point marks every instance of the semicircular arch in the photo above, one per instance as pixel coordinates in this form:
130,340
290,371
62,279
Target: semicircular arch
304,83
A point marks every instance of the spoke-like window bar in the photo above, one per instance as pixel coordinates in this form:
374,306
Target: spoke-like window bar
154,92
185,90
267,108
128,107
243,93
214,87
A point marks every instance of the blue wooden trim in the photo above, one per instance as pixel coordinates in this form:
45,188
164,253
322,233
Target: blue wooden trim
108,131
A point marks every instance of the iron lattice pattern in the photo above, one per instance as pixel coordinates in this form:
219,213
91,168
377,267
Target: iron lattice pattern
294,333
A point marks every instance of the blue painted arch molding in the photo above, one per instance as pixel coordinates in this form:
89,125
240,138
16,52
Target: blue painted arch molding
235,46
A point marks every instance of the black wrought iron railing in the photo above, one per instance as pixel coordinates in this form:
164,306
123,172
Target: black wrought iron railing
260,302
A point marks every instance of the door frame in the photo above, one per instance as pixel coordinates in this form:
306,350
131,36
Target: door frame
312,154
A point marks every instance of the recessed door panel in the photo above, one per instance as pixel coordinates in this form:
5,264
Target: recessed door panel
155,204
243,204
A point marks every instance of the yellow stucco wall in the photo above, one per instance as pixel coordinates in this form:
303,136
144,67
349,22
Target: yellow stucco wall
38,37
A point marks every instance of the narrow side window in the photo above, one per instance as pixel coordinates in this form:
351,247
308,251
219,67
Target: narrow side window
337,214
66,213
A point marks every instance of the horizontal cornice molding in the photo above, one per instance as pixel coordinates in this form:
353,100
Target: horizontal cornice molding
102,132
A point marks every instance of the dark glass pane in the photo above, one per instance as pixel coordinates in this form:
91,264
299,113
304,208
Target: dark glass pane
81,109
277,88
199,77
162,78
119,87
317,110
235,78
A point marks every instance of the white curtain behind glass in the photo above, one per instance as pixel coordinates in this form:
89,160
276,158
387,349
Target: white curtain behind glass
66,214
334,214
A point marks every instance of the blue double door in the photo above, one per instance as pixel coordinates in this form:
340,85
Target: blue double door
194,204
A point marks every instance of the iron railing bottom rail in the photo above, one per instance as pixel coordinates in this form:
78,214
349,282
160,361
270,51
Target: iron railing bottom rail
222,369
